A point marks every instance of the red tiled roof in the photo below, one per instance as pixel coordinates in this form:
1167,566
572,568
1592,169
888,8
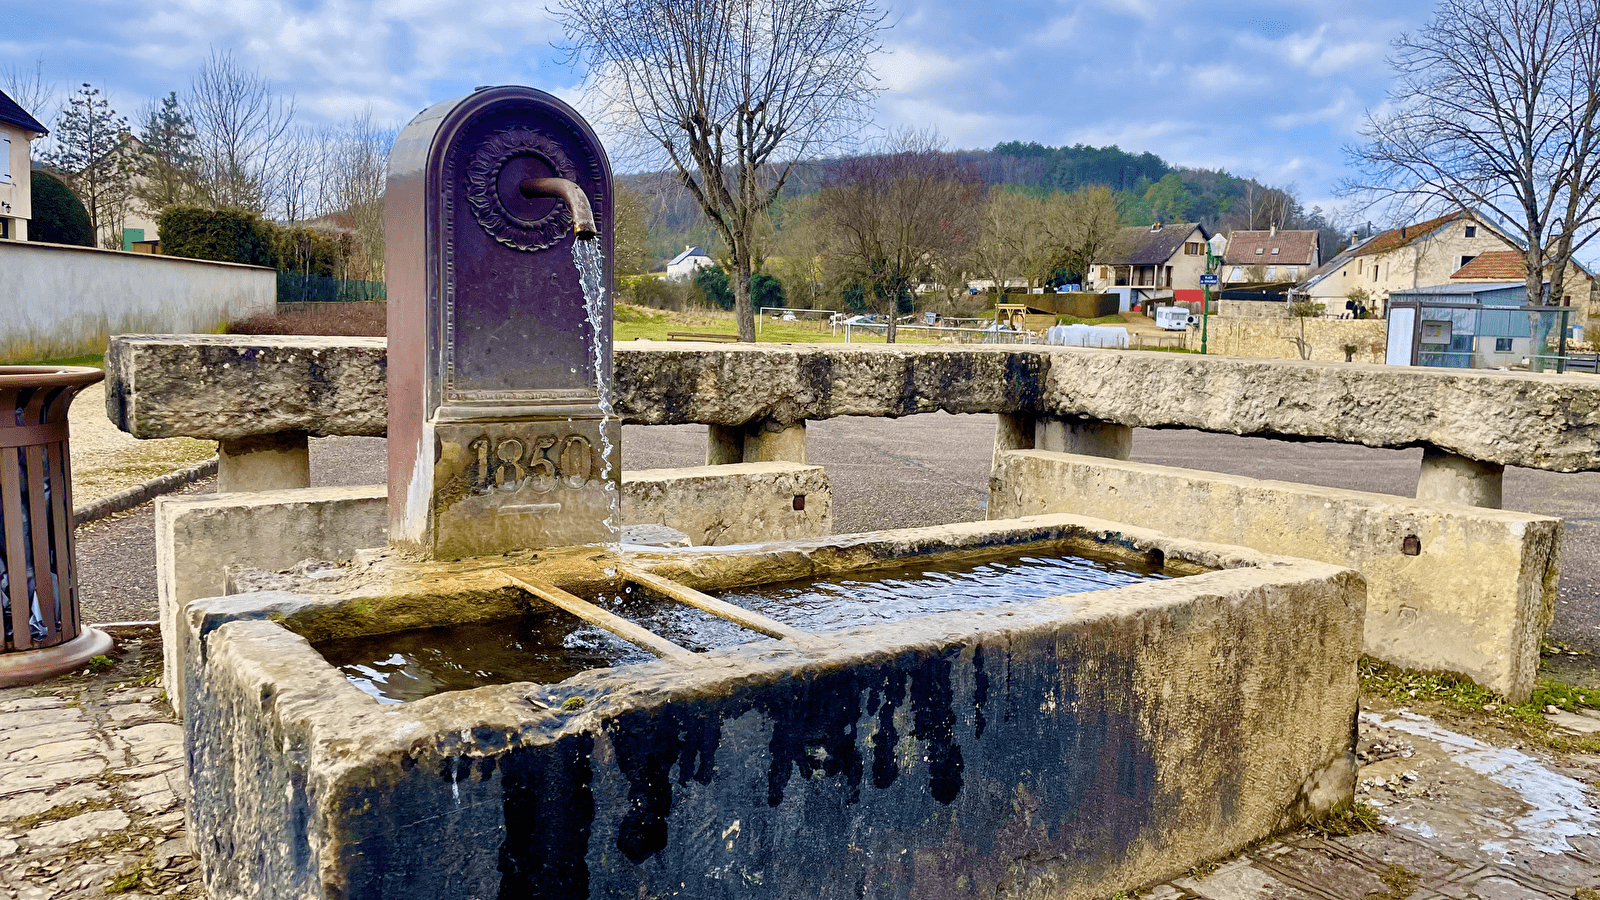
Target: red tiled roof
1395,238
1295,248
1493,265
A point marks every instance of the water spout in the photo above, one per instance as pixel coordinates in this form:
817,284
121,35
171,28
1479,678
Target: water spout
562,189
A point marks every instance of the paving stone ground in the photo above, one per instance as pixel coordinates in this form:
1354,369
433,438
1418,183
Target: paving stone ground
92,784
92,790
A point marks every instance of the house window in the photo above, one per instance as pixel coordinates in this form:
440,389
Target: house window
1502,345
5,160
1472,231
1374,271
5,229
1258,251
1272,272
1238,274
1192,248
1294,273
1274,251
1465,260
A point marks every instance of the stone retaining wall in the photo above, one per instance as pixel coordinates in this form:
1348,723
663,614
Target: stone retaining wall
1314,338
1450,588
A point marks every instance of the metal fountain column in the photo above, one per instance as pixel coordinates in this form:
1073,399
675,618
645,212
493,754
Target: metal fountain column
496,428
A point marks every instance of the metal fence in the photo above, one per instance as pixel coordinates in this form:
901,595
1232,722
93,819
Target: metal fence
294,287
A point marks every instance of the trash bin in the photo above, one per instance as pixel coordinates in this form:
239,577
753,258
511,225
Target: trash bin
38,574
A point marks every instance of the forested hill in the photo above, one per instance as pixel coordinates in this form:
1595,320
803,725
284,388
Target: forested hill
1147,188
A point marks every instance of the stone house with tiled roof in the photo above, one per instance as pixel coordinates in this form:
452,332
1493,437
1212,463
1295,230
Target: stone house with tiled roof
1578,286
1149,262
18,131
1266,257
1422,254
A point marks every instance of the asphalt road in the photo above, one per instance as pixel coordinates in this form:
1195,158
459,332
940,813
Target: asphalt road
933,469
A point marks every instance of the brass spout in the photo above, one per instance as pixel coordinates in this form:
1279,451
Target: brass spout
562,189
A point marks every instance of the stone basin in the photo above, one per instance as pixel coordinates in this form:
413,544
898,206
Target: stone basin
1064,747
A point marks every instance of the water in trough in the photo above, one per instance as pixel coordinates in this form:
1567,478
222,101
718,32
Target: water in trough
550,645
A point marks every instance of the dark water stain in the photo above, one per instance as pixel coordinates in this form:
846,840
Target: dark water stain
549,812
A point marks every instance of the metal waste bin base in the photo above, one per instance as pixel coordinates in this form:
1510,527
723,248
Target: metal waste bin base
29,666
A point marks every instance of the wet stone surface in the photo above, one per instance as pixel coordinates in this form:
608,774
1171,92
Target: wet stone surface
92,785
92,791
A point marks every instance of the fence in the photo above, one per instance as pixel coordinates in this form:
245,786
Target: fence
294,287
810,319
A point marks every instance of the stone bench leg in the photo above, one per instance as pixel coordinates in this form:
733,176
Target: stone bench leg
1448,478
1085,437
268,463
737,444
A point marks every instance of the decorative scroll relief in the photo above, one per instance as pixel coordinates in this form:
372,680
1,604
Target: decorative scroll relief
484,194
539,464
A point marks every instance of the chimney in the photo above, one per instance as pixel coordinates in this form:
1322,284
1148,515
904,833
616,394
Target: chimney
1355,235
1402,232
1274,232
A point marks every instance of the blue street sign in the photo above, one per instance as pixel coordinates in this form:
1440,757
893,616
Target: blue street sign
1208,279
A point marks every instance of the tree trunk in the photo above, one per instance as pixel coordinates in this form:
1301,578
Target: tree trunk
743,313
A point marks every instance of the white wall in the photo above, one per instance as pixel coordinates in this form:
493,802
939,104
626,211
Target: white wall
58,301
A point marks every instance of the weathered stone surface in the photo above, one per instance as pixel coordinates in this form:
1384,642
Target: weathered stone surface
733,504
1475,598
232,387
1067,748
78,828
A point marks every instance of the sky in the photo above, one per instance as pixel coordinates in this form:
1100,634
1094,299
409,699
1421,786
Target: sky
1274,91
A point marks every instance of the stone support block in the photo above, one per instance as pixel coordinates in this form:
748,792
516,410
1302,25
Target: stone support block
1448,478
272,462
1462,590
776,443
724,445
1012,432
1085,437
199,538
738,503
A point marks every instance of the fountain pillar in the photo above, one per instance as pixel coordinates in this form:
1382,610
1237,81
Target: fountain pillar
498,371
1085,437
1448,478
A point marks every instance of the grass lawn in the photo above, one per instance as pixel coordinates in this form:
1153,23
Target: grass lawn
97,360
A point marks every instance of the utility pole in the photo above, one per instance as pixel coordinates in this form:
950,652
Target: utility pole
1206,281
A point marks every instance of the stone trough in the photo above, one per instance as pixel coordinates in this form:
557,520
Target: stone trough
1065,747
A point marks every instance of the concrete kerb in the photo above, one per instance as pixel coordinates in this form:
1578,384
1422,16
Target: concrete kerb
1452,587
285,751
139,494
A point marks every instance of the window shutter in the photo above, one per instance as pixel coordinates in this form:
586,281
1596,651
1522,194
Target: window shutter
5,160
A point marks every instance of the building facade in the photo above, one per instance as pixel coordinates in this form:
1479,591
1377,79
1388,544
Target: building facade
18,130
1149,262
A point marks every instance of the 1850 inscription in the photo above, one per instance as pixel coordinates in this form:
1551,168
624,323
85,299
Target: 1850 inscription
540,463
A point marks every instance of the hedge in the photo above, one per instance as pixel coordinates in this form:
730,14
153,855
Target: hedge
58,216
222,235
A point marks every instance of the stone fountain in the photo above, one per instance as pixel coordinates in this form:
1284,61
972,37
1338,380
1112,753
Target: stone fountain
1064,746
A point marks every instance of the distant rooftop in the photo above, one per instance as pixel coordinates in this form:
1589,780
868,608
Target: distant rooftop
1499,265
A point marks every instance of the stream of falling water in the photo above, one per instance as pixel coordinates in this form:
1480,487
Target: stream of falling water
590,261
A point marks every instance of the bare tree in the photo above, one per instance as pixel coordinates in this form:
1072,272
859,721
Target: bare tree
889,216
360,166
729,93
242,128
1496,108
39,97
1084,225
93,158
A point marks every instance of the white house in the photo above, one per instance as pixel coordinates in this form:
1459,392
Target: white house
18,130
686,263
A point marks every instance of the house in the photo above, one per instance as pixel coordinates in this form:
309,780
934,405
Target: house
1148,263
685,264
1269,257
1578,286
18,130
1424,254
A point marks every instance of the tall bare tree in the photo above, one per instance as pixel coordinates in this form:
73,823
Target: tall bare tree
40,97
729,93
242,128
890,215
91,154
1496,108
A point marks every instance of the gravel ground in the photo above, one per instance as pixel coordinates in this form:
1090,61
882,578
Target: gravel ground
932,469
105,460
